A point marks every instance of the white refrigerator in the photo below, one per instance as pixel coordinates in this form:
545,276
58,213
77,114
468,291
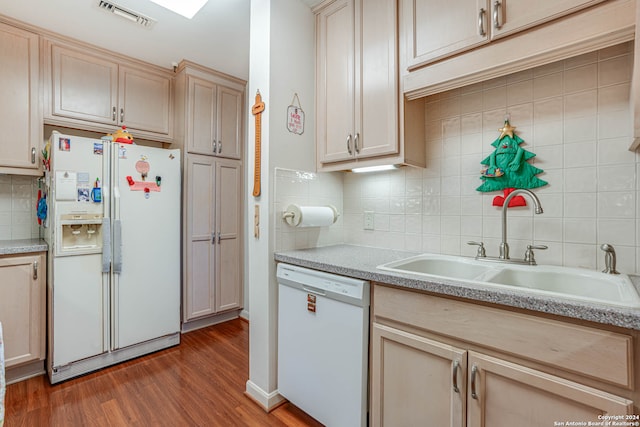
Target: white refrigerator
113,229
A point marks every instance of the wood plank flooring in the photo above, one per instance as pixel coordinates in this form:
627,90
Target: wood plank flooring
201,382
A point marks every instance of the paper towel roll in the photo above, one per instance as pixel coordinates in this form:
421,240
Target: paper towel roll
310,216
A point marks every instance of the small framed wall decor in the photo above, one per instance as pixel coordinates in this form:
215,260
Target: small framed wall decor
295,116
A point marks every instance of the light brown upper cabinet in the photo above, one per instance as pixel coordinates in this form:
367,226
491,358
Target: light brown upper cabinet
209,112
444,47
20,108
357,84
88,89
438,29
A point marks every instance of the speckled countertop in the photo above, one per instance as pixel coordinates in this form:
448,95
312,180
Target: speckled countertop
23,246
361,262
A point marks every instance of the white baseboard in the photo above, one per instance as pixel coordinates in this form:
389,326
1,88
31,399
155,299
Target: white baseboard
268,401
244,314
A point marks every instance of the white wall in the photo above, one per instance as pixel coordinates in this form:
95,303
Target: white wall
281,63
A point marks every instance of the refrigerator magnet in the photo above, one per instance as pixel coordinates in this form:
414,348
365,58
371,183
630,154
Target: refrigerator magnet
98,148
122,152
64,144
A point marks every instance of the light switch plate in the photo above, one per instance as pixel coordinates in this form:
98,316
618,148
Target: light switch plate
368,220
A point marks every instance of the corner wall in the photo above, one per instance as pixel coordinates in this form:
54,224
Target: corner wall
282,62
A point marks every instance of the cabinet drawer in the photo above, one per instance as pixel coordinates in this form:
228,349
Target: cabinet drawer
600,354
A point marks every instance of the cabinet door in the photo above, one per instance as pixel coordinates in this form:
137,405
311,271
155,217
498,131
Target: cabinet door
229,123
145,101
19,109
507,395
200,242
377,91
416,381
335,82
85,86
434,29
516,15
22,308
202,115
228,214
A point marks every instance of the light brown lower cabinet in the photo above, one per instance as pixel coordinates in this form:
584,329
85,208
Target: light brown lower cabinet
419,380
22,308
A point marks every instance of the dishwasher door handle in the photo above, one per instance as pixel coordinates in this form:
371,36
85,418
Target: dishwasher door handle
314,291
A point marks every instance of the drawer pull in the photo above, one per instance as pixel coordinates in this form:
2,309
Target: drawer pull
35,270
454,375
481,30
497,8
474,373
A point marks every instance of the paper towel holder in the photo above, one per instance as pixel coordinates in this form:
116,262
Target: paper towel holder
293,214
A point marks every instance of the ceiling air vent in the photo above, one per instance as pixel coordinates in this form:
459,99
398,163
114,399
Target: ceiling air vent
129,14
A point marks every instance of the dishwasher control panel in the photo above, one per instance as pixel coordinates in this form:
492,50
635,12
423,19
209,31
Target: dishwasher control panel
324,284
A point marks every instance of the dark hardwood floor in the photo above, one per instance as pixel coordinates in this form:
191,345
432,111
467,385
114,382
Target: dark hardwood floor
201,382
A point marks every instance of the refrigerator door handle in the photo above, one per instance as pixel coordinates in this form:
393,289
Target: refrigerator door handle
106,245
117,246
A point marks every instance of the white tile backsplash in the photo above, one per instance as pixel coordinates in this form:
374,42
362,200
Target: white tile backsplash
18,199
574,116
317,189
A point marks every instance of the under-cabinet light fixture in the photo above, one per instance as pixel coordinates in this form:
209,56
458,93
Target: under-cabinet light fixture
186,8
374,168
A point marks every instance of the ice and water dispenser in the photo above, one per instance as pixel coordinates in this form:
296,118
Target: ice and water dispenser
80,233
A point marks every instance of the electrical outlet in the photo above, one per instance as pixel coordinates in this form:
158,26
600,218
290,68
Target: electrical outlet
368,220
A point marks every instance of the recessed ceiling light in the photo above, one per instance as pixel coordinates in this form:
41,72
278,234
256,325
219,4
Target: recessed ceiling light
186,8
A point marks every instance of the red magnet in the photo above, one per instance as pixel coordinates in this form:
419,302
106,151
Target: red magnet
130,180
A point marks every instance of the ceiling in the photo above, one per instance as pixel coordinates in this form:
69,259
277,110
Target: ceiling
217,37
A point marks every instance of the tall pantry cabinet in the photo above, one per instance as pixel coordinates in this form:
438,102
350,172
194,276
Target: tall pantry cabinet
209,124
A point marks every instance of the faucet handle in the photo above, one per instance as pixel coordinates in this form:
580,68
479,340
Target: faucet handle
528,255
481,252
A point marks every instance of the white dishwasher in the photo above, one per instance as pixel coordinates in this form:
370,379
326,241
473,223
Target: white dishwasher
323,342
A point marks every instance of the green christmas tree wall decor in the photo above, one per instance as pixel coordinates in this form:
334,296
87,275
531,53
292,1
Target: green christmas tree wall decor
507,168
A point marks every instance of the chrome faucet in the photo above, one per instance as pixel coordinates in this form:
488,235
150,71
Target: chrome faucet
504,246
609,259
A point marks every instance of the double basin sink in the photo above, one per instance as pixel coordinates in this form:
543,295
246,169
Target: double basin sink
565,282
